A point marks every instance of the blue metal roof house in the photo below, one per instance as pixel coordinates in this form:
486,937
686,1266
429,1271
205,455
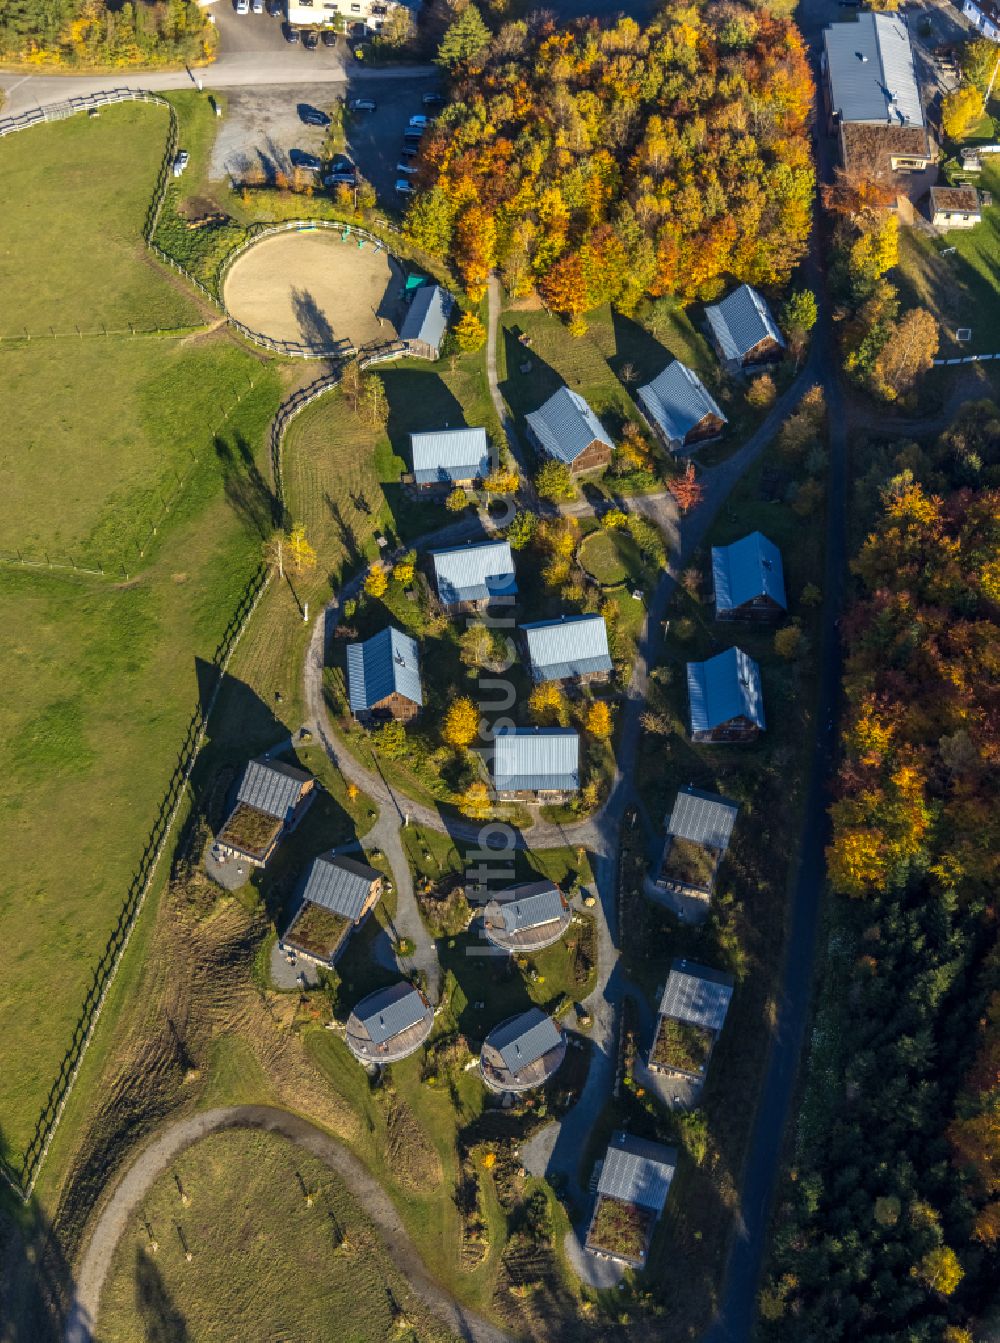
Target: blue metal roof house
522,1052
743,331
426,321
528,761
748,580
573,648
526,918
383,677
335,896
637,1173
449,457
566,429
475,574
270,800
680,409
389,1024
697,997
725,698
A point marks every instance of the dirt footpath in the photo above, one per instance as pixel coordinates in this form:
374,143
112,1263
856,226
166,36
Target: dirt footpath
314,288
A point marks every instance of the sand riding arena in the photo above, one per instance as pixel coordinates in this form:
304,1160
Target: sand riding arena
316,288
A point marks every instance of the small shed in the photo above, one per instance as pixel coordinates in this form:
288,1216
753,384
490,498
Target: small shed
748,580
572,648
632,1190
725,698
698,832
566,429
383,677
444,458
527,918
680,409
426,321
692,1013
389,1025
271,799
743,331
522,1052
336,895
955,207
472,576
536,763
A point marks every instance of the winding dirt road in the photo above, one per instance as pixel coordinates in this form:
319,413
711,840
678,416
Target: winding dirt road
155,1159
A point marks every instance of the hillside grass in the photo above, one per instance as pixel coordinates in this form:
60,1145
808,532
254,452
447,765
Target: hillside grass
267,1259
102,677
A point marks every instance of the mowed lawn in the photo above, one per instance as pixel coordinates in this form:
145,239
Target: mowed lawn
101,677
279,1250
73,196
961,288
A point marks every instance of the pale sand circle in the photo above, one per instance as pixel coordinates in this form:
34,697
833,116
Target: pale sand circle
315,289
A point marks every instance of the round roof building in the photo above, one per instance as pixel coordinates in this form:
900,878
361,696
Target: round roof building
389,1025
527,918
522,1052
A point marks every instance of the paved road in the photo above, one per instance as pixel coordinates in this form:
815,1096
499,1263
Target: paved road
155,1159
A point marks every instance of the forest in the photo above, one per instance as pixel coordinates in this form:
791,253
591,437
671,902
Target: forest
97,33
603,164
889,1225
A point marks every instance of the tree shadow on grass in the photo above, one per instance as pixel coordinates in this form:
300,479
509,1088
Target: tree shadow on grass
162,1322
637,351
37,1281
247,492
525,391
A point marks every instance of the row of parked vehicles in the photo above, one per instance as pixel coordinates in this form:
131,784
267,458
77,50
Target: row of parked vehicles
412,136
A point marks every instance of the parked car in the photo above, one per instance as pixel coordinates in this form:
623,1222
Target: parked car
300,159
180,162
291,34
329,37
274,8
310,39
404,187
257,6
432,99
312,116
419,122
407,166
341,177
242,6
362,105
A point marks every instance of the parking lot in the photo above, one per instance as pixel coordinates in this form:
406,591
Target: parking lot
263,127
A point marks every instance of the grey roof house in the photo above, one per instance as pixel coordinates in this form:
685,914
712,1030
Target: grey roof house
692,1013
872,94
389,1024
632,1190
522,1052
527,918
383,676
336,894
725,698
748,580
698,832
568,649
450,457
566,429
532,760
271,799
474,574
743,331
426,321
680,408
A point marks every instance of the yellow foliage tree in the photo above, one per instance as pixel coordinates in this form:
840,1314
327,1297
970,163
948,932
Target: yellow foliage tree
599,720
961,110
856,859
475,802
461,724
504,480
404,569
377,580
548,705
470,334
941,1270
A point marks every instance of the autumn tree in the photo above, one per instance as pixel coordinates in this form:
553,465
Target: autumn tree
548,705
461,724
475,802
941,1270
961,109
979,58
762,392
798,317
554,480
502,480
686,489
522,529
908,352
457,500
404,568
290,552
598,721
470,334
377,580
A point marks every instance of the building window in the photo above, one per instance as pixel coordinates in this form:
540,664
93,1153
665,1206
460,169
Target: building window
355,9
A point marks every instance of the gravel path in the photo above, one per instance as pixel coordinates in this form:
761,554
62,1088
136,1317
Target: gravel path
155,1159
